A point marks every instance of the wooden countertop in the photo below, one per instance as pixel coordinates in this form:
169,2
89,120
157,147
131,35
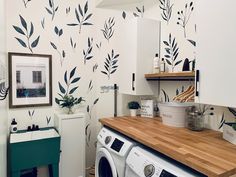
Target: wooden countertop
206,151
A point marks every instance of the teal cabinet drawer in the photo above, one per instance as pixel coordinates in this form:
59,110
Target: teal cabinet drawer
34,153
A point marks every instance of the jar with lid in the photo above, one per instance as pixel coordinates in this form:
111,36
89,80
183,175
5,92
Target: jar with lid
195,119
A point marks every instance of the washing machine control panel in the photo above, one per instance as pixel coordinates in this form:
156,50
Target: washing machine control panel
117,145
114,142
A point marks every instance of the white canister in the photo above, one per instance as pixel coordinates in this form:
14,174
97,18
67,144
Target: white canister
174,114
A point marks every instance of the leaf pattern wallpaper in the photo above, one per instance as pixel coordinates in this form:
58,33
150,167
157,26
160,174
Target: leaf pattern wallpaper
26,30
82,17
82,40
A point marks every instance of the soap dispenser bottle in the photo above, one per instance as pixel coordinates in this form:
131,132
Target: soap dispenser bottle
156,64
13,126
162,66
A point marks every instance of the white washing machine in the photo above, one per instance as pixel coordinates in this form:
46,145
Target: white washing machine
112,151
144,163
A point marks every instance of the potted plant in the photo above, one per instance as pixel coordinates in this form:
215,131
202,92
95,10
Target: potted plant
67,100
229,129
133,106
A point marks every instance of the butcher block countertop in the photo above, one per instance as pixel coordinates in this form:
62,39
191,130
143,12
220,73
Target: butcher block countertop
206,151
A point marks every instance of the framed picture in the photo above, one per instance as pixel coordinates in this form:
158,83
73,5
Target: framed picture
30,80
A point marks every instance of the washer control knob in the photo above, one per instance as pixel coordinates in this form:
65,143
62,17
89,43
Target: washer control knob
107,139
149,170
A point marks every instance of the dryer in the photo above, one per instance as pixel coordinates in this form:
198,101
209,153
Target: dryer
146,163
112,151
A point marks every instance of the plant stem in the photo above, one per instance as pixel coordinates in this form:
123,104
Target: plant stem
29,43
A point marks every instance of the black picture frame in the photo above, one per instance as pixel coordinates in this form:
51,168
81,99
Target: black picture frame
30,80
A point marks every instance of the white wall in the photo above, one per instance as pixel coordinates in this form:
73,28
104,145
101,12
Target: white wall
44,27
3,104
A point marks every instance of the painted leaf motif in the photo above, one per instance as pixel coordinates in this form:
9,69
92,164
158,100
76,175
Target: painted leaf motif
90,15
123,14
63,53
56,30
60,32
73,24
23,22
53,45
104,72
88,108
86,7
35,43
19,30
49,11
21,42
65,78
75,80
178,62
168,61
72,73
95,102
31,29
81,11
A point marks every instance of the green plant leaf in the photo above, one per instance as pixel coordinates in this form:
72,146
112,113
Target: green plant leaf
61,88
73,90
57,101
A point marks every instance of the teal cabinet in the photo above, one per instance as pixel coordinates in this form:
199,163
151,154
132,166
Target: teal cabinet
29,149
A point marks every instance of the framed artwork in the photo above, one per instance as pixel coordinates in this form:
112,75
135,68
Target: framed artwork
30,80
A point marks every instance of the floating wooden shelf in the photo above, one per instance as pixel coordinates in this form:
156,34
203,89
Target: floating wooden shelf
184,76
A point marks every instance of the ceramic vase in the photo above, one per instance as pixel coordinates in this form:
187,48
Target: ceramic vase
133,112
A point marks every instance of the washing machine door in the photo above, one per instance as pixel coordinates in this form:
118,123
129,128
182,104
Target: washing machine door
104,166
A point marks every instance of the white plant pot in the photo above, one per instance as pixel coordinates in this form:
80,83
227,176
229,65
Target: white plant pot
133,112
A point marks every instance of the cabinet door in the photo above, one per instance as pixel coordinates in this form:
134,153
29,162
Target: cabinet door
72,162
216,50
127,46
138,44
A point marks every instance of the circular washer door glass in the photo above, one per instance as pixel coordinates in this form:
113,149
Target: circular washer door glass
105,166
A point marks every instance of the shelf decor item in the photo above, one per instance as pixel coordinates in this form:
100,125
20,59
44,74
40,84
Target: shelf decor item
133,107
229,129
196,116
30,80
174,114
148,108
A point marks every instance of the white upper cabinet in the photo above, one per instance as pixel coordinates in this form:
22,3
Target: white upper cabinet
138,43
112,3
216,52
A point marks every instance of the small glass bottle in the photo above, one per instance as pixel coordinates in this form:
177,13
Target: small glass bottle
162,66
195,120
